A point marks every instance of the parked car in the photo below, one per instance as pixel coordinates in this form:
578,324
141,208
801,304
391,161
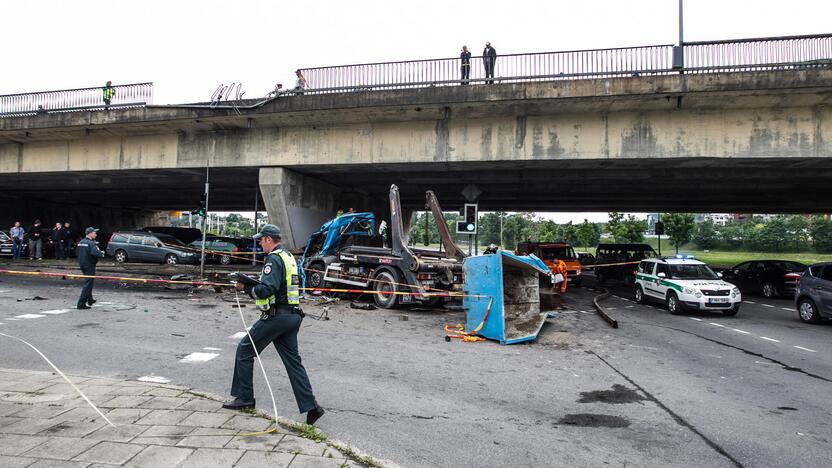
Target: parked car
771,278
149,247
685,284
550,253
232,245
185,235
623,260
6,245
813,299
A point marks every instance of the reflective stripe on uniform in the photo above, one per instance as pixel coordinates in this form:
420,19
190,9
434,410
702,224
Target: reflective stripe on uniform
290,269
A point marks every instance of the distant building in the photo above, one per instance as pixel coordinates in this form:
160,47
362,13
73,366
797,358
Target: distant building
719,219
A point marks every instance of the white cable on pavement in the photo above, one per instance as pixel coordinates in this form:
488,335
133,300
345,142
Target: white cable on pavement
62,375
254,345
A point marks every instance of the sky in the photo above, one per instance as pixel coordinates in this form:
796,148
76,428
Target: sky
187,48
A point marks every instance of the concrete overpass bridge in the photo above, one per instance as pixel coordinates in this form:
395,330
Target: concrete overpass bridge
742,126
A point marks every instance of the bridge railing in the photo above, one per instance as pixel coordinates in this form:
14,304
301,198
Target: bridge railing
699,57
70,100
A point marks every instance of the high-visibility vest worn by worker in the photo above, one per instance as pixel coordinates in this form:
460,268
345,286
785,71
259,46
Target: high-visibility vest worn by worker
290,272
108,93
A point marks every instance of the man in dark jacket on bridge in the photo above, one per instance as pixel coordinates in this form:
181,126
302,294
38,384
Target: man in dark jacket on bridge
489,59
88,254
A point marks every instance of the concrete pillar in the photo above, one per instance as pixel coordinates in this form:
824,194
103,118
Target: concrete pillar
297,204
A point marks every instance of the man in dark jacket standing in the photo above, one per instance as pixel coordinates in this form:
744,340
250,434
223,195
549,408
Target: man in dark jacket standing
465,65
35,241
67,240
58,241
489,59
88,254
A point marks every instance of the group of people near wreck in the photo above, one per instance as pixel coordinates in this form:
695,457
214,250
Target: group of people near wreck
60,237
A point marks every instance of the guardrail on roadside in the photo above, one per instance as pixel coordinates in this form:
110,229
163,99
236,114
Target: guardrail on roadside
72,100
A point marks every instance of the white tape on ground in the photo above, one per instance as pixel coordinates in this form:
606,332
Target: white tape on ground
29,316
769,339
55,312
199,357
153,379
806,349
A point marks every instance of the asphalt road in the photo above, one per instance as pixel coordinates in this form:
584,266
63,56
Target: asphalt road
662,390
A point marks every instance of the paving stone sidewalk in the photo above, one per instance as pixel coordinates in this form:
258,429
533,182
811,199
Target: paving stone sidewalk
45,423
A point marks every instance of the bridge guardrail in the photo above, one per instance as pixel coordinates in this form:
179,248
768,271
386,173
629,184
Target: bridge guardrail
699,57
71,100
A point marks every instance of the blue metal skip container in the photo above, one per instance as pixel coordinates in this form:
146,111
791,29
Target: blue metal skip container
513,282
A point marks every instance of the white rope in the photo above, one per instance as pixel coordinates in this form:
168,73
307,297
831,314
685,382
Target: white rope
62,375
251,340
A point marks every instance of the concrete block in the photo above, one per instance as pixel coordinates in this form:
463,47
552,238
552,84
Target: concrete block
41,412
307,461
112,453
260,459
15,462
265,442
80,413
160,457
164,417
299,445
74,428
156,431
126,401
160,440
120,433
7,408
200,404
201,419
248,423
215,458
127,415
24,386
165,392
7,420
16,444
164,402
205,440
58,464
61,448
29,426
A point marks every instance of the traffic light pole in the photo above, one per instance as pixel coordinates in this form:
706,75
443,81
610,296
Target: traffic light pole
204,230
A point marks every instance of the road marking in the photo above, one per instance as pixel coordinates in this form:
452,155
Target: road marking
212,349
55,312
741,331
4,291
29,316
694,318
788,308
749,302
240,335
12,318
629,307
806,349
768,305
610,308
716,325
769,339
153,379
199,357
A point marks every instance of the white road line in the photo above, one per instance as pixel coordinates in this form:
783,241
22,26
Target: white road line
788,308
153,379
4,291
768,305
716,325
806,349
240,335
12,318
629,307
29,316
212,349
769,339
694,318
741,331
55,312
1,323
199,357
611,308
749,302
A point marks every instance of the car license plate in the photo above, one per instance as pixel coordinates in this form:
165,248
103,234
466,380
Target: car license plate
5,250
718,300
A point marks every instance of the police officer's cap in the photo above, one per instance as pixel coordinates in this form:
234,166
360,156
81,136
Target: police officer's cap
268,230
90,229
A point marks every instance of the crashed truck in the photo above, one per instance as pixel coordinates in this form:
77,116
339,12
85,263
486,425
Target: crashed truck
350,252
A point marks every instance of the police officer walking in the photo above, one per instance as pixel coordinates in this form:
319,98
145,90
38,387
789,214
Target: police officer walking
278,298
88,254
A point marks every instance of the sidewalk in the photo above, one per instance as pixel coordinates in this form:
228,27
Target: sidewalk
45,423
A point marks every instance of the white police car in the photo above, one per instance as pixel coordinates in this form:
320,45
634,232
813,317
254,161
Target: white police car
684,283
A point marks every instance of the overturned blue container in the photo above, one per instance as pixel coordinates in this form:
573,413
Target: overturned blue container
513,282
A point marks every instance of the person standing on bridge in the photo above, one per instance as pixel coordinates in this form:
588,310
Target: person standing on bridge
489,59
277,296
88,254
108,92
465,65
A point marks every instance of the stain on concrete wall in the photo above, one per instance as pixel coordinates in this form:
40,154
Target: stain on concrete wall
639,141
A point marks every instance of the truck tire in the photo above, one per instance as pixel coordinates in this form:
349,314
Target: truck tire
385,282
315,275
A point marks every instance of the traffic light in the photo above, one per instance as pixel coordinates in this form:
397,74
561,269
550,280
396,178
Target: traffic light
469,224
201,209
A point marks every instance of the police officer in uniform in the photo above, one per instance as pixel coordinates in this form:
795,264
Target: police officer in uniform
88,254
278,298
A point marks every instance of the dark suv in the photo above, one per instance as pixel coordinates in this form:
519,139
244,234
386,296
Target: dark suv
149,247
813,298
622,259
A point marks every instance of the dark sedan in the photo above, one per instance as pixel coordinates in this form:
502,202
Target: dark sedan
6,245
771,278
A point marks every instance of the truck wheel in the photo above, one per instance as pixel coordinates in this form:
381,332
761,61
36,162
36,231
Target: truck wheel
384,284
315,275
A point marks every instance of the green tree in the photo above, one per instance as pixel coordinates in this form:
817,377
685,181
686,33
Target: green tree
821,231
798,230
770,236
705,235
679,228
585,233
627,229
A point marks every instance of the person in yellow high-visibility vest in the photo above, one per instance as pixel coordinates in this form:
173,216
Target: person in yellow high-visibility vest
278,297
107,94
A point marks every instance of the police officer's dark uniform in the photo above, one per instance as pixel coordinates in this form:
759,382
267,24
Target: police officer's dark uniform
88,254
278,298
